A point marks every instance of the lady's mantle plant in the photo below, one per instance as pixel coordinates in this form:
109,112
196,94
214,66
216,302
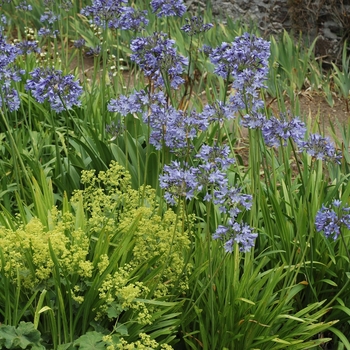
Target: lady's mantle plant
106,236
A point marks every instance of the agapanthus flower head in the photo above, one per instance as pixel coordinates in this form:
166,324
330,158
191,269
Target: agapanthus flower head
332,219
10,98
115,129
104,12
8,54
321,148
195,25
94,51
171,127
165,8
245,59
234,232
44,31
27,46
79,43
129,19
217,156
51,85
156,55
133,103
218,112
179,182
24,6
276,131
231,200
253,120
49,17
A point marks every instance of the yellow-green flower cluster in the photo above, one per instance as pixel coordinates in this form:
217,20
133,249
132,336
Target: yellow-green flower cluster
119,293
145,343
26,251
114,207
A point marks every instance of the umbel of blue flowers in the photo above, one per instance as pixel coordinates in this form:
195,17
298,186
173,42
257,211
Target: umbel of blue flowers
166,8
332,219
244,62
60,91
157,57
113,14
8,72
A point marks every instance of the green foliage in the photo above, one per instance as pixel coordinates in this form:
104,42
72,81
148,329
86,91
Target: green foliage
342,77
25,336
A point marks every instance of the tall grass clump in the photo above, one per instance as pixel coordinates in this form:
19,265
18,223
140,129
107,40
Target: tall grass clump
151,198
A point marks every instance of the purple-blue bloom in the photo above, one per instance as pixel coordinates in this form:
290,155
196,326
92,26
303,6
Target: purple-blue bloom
49,17
280,130
245,60
156,56
79,43
171,127
50,84
331,220
11,98
321,148
133,103
24,6
8,74
234,232
195,25
43,31
165,8
129,19
26,47
178,181
104,12
94,51
218,112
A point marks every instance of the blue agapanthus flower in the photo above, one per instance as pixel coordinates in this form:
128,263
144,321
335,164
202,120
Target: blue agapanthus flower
234,232
24,6
178,181
60,91
156,55
332,219
165,8
280,130
195,25
26,47
133,103
321,148
113,14
129,19
9,73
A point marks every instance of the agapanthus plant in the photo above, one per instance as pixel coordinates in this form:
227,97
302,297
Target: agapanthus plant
49,84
